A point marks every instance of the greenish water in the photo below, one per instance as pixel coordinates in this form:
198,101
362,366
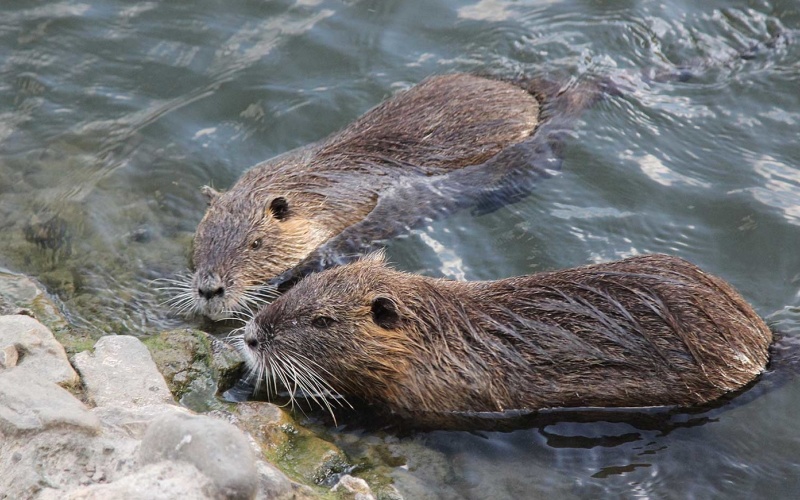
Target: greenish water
113,114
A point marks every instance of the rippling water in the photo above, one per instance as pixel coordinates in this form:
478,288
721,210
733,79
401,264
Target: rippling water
113,114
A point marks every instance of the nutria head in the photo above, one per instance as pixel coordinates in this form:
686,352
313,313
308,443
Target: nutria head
349,314
246,237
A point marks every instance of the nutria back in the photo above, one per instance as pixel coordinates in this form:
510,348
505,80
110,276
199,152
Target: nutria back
646,331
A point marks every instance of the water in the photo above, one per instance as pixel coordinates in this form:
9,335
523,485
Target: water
113,114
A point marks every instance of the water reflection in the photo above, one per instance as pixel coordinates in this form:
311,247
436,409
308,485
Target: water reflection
781,187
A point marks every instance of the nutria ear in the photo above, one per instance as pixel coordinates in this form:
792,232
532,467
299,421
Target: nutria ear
384,313
210,193
279,208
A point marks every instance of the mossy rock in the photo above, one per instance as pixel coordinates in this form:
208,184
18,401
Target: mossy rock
195,365
297,451
20,292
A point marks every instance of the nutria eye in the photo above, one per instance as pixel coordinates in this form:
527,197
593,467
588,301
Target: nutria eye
256,244
279,208
322,322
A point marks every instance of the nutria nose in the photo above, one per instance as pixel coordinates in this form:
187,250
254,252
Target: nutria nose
211,292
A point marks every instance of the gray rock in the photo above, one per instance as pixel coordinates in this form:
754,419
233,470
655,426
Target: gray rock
121,372
133,422
161,481
353,487
273,482
29,405
195,365
8,357
18,292
62,459
227,363
218,449
40,356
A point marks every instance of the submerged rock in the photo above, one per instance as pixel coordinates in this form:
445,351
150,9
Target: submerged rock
353,487
20,293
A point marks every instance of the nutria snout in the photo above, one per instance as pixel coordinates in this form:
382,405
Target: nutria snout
646,331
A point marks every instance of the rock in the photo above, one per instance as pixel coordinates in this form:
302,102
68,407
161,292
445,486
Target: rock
179,357
271,427
164,480
20,292
353,487
8,357
121,372
133,422
136,443
275,485
226,362
296,450
61,459
217,449
29,405
39,354
273,482
195,365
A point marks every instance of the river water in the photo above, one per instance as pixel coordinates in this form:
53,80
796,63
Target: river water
114,113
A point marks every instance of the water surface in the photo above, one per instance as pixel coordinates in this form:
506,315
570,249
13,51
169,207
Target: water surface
113,114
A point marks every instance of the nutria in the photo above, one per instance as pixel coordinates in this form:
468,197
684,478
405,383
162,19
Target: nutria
646,331
451,142
382,173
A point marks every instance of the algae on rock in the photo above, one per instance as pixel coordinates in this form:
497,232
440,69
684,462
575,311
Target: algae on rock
195,365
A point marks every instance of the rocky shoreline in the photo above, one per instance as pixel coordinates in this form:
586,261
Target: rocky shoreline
104,423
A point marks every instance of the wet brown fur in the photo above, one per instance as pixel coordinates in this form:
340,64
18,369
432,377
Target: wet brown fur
443,124
652,330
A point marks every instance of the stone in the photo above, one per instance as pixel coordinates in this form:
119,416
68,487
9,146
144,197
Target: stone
8,357
195,366
18,292
39,354
61,459
273,482
29,405
133,422
120,372
216,448
353,487
296,450
179,357
227,363
161,481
